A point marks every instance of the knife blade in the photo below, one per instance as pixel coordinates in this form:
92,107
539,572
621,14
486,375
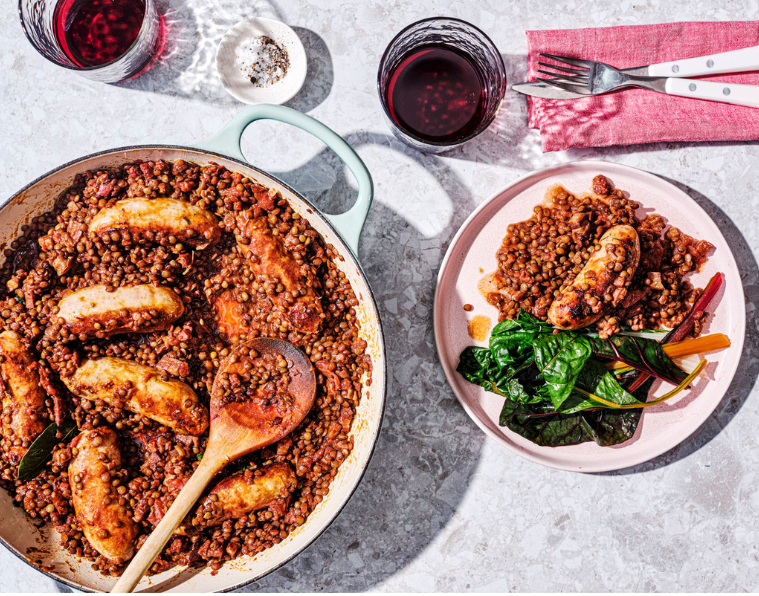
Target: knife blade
539,89
546,91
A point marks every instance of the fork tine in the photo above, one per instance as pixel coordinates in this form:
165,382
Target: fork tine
573,71
566,87
566,79
565,60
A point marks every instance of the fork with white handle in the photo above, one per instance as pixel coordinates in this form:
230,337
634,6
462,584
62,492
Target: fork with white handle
587,77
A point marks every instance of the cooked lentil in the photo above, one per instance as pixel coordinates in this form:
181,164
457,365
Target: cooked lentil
266,378
542,255
55,255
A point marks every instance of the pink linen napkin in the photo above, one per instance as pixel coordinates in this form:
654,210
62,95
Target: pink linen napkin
636,115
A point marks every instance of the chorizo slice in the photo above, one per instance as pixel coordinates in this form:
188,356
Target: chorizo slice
268,256
602,280
24,412
245,492
105,521
231,315
140,389
96,312
151,218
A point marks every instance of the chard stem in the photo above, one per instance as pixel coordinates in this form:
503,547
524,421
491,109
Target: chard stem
610,404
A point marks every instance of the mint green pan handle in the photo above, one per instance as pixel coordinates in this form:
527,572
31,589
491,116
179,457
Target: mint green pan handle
348,224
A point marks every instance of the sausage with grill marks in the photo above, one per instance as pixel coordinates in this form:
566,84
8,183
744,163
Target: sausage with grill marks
107,524
244,492
140,389
189,224
602,280
96,312
24,412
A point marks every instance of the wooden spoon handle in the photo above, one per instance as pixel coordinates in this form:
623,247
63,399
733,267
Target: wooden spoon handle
163,531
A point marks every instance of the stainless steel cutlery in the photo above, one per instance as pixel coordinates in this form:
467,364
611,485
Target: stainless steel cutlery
574,78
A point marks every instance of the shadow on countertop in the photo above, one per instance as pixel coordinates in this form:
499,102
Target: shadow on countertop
428,448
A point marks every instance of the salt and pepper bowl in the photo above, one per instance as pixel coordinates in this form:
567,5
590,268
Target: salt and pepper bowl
232,58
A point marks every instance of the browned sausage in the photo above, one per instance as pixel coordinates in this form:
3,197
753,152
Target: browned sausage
95,312
189,224
140,389
24,412
602,280
107,524
268,256
245,492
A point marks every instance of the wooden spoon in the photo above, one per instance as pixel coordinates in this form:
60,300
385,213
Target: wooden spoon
237,428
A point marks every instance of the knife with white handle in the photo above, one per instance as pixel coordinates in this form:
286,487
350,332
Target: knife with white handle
742,60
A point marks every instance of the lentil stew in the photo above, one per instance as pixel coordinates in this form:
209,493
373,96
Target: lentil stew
542,256
227,296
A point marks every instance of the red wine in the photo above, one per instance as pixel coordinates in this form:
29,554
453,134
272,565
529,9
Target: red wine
436,93
95,32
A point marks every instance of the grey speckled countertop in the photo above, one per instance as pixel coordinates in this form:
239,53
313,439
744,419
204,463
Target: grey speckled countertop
441,507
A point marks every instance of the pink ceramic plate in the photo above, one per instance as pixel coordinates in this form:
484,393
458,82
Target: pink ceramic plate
472,254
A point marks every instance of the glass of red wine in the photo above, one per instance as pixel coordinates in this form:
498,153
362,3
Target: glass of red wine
103,40
441,82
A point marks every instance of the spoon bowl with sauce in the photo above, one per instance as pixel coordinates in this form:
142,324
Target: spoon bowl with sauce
238,427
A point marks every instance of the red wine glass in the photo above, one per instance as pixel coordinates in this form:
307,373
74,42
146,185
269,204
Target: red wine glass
103,40
441,82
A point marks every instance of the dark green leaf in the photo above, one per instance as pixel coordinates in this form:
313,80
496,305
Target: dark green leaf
39,451
605,427
505,327
511,340
512,408
612,427
515,391
644,354
529,378
595,379
524,321
478,366
545,379
544,426
560,358
549,429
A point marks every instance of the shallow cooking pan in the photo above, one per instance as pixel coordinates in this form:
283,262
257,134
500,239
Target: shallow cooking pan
39,547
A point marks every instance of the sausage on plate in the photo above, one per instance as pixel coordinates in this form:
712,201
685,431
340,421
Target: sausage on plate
102,514
189,224
96,312
24,412
603,279
140,389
